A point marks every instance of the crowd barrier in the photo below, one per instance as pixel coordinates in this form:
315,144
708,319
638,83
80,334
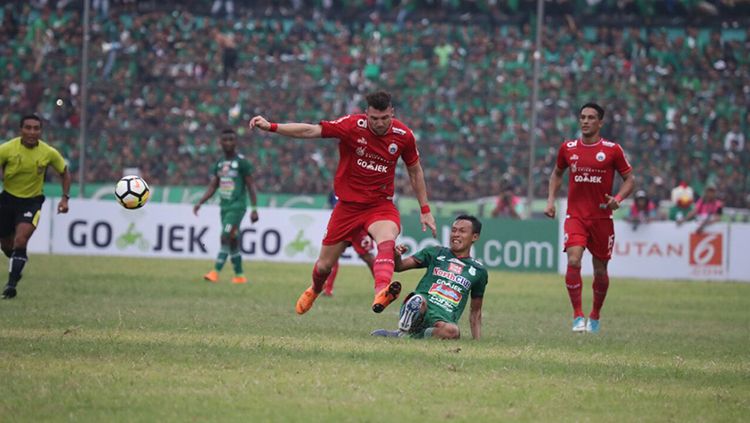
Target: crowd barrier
656,250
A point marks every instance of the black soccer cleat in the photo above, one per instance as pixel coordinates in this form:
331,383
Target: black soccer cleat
9,292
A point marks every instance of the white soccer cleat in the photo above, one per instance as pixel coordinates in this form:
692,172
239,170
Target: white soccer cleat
592,326
579,324
410,313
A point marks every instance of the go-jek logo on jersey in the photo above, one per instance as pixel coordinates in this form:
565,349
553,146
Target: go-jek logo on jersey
588,179
370,165
706,249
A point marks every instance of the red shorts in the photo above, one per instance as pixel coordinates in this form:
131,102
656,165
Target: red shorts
598,235
362,243
349,218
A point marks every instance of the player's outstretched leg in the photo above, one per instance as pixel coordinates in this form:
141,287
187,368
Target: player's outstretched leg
306,300
411,313
328,285
386,296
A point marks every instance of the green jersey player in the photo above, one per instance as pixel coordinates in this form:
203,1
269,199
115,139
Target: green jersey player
452,278
232,177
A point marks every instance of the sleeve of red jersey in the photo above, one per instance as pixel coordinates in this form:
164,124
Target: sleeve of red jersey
621,162
335,128
562,162
411,155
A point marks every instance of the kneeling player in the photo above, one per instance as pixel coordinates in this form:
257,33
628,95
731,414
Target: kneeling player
452,276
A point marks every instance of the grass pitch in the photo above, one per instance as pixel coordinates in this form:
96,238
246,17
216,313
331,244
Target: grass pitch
113,339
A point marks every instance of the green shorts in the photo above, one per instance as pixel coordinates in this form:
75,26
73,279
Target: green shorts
231,218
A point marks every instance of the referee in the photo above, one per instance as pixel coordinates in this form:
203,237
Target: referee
24,161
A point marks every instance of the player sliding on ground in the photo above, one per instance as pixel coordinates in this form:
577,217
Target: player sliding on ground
452,276
370,145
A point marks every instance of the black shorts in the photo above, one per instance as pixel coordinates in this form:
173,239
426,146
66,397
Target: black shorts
14,210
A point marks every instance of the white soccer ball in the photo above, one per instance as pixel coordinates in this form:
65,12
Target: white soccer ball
132,192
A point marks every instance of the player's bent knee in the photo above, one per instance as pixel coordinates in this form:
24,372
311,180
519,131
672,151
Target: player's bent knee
445,330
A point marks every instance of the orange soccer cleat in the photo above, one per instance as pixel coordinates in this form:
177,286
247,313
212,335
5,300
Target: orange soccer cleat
386,296
239,279
305,301
212,276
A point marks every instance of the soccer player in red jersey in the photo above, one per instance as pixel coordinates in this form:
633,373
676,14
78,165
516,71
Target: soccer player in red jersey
370,145
593,162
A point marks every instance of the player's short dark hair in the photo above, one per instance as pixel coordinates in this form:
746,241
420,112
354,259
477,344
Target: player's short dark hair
379,100
476,225
599,109
30,116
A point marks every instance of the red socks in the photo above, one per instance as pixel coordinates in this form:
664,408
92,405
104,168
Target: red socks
383,267
574,283
601,284
328,286
318,279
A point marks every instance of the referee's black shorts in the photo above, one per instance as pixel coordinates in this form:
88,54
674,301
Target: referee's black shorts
14,210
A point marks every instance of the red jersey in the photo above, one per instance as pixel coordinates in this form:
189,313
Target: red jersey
367,163
592,172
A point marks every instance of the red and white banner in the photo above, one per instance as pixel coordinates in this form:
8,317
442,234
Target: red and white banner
665,250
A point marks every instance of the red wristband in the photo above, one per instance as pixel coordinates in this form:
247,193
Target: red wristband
274,127
425,209
618,198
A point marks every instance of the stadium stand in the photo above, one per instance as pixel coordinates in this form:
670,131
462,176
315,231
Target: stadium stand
673,75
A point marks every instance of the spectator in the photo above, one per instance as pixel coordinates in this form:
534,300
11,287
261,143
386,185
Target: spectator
507,204
708,209
642,210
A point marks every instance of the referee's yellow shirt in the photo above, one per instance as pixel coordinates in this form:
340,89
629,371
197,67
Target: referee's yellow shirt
24,168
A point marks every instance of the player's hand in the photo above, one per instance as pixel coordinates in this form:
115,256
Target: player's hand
253,216
550,211
259,122
401,249
427,220
196,208
62,206
612,202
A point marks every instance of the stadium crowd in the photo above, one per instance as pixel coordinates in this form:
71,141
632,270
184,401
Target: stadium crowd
163,82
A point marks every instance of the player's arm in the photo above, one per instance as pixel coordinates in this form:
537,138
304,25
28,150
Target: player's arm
62,206
555,182
475,317
250,184
294,130
212,186
628,184
416,177
400,263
